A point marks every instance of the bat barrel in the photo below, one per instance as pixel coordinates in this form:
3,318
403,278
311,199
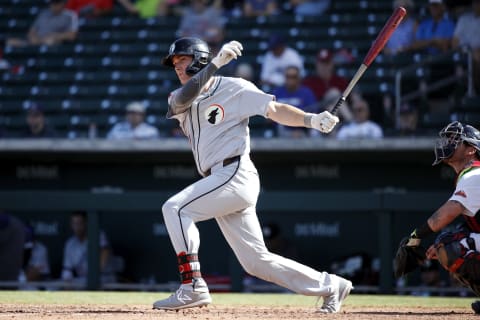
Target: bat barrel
377,46
382,38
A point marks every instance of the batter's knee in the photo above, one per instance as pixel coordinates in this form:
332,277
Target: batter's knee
169,209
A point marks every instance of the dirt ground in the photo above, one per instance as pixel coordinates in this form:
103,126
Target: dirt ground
128,312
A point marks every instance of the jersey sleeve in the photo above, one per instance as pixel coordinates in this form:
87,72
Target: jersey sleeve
253,101
467,193
170,114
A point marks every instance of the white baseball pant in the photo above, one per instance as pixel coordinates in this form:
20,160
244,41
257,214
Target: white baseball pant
230,195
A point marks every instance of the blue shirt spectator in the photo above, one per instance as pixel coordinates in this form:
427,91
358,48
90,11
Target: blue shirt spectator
434,34
404,35
294,93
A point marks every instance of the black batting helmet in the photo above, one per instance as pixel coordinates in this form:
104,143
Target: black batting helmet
188,46
450,138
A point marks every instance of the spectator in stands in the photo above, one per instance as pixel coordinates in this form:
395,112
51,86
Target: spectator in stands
408,120
36,266
154,8
276,60
256,8
294,93
92,8
403,37
325,76
466,35
75,255
12,239
204,21
134,126
434,34
53,25
310,7
361,127
37,126
245,71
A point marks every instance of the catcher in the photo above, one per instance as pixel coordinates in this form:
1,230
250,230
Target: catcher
457,251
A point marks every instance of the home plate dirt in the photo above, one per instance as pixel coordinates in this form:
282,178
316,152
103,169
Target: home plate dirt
213,312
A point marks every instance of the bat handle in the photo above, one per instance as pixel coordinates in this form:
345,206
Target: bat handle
337,105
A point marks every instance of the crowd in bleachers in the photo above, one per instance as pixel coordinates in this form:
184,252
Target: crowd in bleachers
70,69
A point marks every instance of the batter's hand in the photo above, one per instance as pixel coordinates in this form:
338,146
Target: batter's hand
324,122
229,51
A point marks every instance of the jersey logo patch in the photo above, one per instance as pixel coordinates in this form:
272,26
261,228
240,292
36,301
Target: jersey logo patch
461,193
215,114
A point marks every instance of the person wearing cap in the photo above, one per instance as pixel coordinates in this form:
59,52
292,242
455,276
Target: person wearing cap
53,25
134,126
434,34
278,57
361,127
325,76
36,124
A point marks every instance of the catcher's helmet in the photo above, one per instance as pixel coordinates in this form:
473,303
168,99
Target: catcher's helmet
450,138
194,47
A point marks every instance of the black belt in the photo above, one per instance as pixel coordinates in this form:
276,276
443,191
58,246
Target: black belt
225,162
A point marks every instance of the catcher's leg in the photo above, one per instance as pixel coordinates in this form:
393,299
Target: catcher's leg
459,256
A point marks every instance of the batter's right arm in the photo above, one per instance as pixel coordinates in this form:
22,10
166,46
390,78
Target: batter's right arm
289,115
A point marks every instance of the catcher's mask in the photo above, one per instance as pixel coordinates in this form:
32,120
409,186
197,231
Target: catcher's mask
194,47
451,137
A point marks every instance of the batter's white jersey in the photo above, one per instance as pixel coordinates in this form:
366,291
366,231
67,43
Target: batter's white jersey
217,122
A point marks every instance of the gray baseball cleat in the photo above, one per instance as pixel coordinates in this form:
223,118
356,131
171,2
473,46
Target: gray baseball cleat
187,296
332,303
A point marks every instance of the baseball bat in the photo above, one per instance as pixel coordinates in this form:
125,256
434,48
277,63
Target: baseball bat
377,46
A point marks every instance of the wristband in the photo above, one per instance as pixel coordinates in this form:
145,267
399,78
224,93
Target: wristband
307,120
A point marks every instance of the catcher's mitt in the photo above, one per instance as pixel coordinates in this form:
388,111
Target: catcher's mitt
408,258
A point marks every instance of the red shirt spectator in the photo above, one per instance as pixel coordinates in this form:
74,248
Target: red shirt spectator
325,77
91,6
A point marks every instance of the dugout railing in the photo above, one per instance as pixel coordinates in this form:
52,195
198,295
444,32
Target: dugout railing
381,204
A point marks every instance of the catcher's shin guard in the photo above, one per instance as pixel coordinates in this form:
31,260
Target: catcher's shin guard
458,255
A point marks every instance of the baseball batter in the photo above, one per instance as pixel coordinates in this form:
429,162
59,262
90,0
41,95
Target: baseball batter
457,251
213,112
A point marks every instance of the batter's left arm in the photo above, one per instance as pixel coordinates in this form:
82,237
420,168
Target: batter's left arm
183,98
289,115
